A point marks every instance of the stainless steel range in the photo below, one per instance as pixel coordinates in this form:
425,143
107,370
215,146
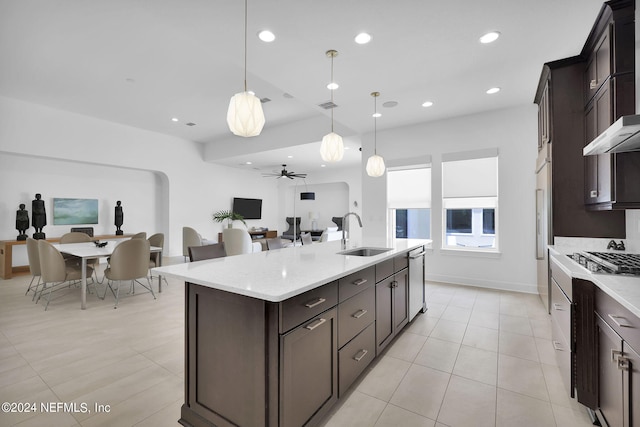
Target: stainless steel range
609,262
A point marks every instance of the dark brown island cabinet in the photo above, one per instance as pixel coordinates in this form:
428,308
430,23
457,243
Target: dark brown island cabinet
251,362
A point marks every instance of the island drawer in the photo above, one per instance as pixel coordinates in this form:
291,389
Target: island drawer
619,318
384,269
562,278
303,307
400,262
355,314
355,357
561,310
356,282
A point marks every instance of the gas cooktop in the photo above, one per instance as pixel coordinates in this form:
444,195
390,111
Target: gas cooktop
609,262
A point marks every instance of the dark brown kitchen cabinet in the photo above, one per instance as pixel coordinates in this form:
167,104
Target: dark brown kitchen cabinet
618,341
309,363
609,93
392,307
561,83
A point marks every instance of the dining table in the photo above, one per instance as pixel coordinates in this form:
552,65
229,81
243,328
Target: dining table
90,250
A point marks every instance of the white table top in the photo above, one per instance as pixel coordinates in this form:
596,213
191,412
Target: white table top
276,275
90,250
624,289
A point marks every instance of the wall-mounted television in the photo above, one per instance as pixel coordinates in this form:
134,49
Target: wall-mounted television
75,211
248,208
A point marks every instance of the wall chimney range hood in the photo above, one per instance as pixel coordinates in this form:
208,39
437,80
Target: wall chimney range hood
620,137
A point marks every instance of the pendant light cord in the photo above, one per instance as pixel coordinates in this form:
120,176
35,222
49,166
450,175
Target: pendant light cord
375,125
245,45
332,90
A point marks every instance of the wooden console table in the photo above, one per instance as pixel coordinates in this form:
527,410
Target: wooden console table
268,234
6,254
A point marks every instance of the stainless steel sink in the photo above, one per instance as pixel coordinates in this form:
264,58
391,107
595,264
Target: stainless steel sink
365,251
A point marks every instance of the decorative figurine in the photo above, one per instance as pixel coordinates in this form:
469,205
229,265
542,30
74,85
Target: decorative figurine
22,222
39,218
119,215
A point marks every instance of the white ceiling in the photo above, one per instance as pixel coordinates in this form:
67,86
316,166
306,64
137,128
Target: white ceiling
142,62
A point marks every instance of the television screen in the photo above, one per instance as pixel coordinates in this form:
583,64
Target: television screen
75,211
248,208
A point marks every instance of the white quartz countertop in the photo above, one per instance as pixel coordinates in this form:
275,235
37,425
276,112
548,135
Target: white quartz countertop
624,289
276,275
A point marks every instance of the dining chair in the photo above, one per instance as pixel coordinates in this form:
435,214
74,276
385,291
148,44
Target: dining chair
155,258
34,266
238,241
55,271
274,243
190,237
79,237
141,235
129,262
306,238
199,253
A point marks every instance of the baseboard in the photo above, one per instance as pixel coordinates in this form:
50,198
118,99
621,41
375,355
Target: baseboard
529,288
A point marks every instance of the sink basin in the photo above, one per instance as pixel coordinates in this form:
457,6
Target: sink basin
365,251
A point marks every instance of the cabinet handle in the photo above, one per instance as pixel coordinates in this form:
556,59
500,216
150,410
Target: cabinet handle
593,84
315,303
358,314
359,282
393,284
615,354
312,326
557,346
621,324
623,363
558,307
362,353
593,194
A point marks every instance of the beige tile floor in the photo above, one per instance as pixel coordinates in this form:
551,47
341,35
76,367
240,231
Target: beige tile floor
477,357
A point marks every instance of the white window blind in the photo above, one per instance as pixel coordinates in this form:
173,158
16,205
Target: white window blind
409,188
470,177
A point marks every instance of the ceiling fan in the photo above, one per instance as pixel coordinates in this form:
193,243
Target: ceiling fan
285,174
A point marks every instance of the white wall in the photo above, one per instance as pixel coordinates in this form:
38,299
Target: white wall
188,190
514,132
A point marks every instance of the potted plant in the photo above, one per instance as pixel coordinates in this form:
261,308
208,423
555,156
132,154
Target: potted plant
229,216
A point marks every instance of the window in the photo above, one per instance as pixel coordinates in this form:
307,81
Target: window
470,200
409,202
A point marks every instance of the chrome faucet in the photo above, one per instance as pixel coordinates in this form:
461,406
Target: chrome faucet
345,239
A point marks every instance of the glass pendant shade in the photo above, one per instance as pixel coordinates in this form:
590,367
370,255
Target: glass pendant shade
375,166
245,116
332,148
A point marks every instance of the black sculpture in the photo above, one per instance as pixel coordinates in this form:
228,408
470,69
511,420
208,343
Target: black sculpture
22,222
39,218
119,215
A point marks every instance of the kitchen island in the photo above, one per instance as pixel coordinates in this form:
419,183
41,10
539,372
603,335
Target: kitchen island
275,338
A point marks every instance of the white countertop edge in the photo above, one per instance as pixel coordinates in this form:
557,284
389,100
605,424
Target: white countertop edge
623,289
201,272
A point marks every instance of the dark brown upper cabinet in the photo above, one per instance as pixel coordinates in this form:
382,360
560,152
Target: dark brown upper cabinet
609,93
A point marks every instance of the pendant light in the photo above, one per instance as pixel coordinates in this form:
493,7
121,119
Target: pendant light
245,116
332,148
375,163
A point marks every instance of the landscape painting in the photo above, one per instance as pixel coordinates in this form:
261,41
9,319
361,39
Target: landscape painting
75,211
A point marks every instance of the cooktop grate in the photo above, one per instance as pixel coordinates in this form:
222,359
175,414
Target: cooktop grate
621,263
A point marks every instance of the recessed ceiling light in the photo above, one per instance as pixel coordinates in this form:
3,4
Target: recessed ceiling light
427,103
323,166
493,90
376,115
266,36
174,119
390,104
490,37
289,157
248,163
363,38
333,86
347,148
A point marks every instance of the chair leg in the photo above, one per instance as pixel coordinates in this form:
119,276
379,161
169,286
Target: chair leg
117,295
